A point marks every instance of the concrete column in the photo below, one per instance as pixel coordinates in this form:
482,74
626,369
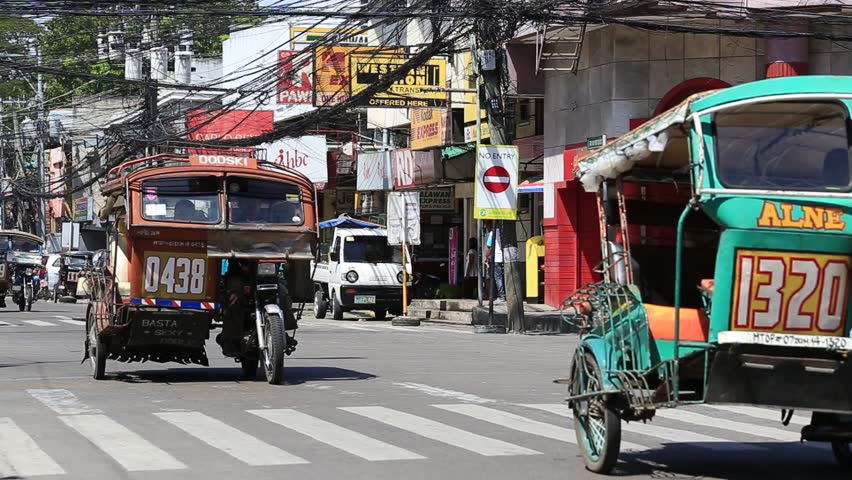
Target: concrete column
786,57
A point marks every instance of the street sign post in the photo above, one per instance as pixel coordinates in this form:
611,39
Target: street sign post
496,193
404,229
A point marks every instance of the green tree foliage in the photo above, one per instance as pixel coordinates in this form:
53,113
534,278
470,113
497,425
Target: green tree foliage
70,42
16,34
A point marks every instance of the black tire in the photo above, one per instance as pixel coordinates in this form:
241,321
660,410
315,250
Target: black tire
598,458
97,351
320,304
336,308
55,294
22,304
249,367
30,306
842,453
381,313
276,340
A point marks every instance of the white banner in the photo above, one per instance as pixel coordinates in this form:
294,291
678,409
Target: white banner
374,171
496,194
306,154
404,214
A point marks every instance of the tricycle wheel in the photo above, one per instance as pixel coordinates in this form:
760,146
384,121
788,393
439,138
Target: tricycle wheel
320,304
97,352
273,354
842,453
597,426
249,366
22,304
336,308
381,313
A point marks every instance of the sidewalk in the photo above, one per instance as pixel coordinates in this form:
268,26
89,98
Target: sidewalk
538,318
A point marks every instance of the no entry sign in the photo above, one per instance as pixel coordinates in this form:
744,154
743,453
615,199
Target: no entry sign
496,179
496,182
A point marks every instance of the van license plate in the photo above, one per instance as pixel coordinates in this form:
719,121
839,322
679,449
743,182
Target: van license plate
365,299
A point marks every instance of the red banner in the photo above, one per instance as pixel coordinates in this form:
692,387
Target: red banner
216,125
294,80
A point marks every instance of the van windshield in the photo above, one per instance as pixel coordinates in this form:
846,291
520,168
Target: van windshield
785,146
370,249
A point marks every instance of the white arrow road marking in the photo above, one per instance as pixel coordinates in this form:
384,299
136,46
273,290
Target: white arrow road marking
61,401
230,440
336,436
441,432
20,456
131,451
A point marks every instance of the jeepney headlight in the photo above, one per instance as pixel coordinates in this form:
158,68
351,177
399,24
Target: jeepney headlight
266,269
399,277
351,276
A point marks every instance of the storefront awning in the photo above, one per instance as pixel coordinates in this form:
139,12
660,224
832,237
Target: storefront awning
453,152
531,185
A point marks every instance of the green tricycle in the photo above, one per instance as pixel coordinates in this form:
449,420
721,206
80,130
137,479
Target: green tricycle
726,228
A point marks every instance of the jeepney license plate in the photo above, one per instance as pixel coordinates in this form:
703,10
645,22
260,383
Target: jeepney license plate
365,299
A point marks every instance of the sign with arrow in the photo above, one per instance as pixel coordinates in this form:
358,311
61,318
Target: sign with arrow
496,193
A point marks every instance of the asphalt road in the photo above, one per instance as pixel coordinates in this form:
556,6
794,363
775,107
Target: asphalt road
363,400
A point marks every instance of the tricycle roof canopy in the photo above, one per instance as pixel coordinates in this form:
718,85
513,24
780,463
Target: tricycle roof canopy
18,233
662,142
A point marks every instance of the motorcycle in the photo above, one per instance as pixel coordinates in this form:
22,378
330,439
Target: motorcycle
24,285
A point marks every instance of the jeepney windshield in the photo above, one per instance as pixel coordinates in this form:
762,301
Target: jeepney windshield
185,200
799,146
17,244
255,201
370,249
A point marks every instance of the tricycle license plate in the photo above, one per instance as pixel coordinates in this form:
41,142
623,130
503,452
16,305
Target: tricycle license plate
72,277
16,288
365,299
786,340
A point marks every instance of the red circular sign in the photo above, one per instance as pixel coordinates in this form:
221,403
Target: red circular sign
496,179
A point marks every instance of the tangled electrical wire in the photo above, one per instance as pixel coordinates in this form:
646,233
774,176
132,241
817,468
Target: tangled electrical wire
450,24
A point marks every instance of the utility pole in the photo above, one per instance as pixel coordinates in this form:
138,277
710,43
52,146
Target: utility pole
491,33
41,229
3,182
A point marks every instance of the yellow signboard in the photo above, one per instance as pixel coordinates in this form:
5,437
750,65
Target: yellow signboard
410,91
428,128
331,75
349,37
790,292
470,108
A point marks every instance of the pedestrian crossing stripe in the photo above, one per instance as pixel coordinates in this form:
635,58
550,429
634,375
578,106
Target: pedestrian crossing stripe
20,455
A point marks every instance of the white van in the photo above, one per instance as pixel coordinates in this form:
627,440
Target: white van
357,271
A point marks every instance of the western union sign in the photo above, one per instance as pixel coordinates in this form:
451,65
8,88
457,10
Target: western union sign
409,91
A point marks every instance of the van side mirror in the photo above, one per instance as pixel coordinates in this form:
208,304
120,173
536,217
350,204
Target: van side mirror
334,256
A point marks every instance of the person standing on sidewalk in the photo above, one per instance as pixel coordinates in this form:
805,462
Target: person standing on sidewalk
471,269
492,242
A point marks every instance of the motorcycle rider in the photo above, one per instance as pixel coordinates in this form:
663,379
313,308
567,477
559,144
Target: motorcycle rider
237,295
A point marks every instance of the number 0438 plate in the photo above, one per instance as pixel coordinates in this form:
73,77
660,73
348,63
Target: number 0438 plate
175,275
